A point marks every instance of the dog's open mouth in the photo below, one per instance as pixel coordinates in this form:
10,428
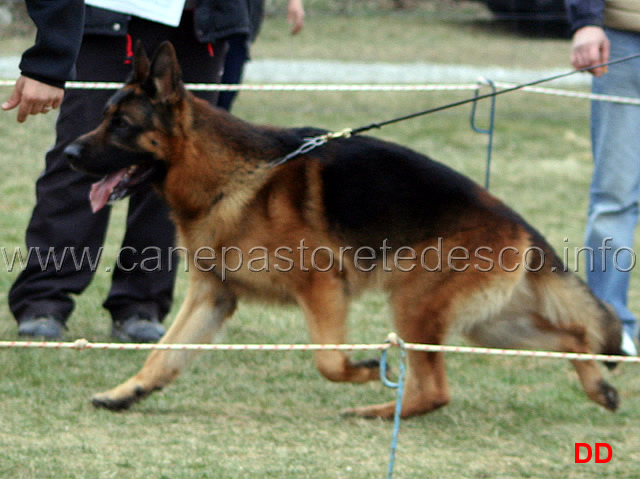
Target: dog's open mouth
117,185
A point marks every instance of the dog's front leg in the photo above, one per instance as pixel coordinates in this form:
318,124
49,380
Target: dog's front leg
208,303
325,304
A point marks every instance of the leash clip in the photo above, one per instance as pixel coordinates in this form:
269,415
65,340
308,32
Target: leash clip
313,143
306,147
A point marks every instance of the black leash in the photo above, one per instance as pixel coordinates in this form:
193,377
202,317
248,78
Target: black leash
313,143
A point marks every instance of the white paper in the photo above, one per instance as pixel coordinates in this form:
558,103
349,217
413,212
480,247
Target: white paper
168,12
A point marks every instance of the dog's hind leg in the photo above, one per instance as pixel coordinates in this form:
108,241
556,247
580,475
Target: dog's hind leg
207,305
426,387
535,332
325,305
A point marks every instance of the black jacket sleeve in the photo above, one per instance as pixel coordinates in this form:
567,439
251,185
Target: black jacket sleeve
584,12
60,25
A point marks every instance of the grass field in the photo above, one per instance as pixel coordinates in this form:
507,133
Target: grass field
271,415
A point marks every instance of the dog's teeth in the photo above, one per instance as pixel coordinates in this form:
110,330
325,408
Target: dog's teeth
130,171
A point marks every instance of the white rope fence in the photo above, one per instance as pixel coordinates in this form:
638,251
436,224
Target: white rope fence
309,87
277,86
574,94
392,341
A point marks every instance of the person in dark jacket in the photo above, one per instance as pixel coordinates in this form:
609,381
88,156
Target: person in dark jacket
62,224
47,65
604,30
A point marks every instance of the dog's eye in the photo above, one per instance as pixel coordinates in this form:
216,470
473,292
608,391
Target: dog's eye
120,123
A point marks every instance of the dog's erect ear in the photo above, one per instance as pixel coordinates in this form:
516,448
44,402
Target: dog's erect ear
166,75
140,64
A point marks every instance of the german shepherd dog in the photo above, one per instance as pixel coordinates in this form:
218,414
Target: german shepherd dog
353,214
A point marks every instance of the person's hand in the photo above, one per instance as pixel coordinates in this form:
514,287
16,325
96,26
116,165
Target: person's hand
590,47
295,16
33,97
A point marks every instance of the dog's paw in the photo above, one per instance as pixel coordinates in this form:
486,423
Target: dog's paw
117,403
371,367
610,397
379,411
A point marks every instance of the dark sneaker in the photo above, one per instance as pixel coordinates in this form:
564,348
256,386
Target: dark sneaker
138,330
46,326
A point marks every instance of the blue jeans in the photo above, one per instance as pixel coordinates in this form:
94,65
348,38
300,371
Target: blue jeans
615,187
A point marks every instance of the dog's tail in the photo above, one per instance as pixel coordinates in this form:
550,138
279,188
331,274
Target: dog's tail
564,299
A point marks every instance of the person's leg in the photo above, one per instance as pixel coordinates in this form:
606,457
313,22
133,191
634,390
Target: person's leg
143,280
615,187
62,225
144,275
234,62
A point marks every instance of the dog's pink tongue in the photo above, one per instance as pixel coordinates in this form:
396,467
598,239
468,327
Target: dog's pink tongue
101,191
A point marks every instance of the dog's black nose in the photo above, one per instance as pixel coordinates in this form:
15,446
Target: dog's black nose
73,152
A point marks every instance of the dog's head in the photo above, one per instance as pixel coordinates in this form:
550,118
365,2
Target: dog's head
132,143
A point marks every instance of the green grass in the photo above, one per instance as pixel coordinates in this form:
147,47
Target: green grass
271,415
466,34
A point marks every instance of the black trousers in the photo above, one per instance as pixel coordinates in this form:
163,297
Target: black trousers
237,57
62,222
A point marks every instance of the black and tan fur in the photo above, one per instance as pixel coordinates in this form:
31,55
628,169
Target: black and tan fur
216,173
